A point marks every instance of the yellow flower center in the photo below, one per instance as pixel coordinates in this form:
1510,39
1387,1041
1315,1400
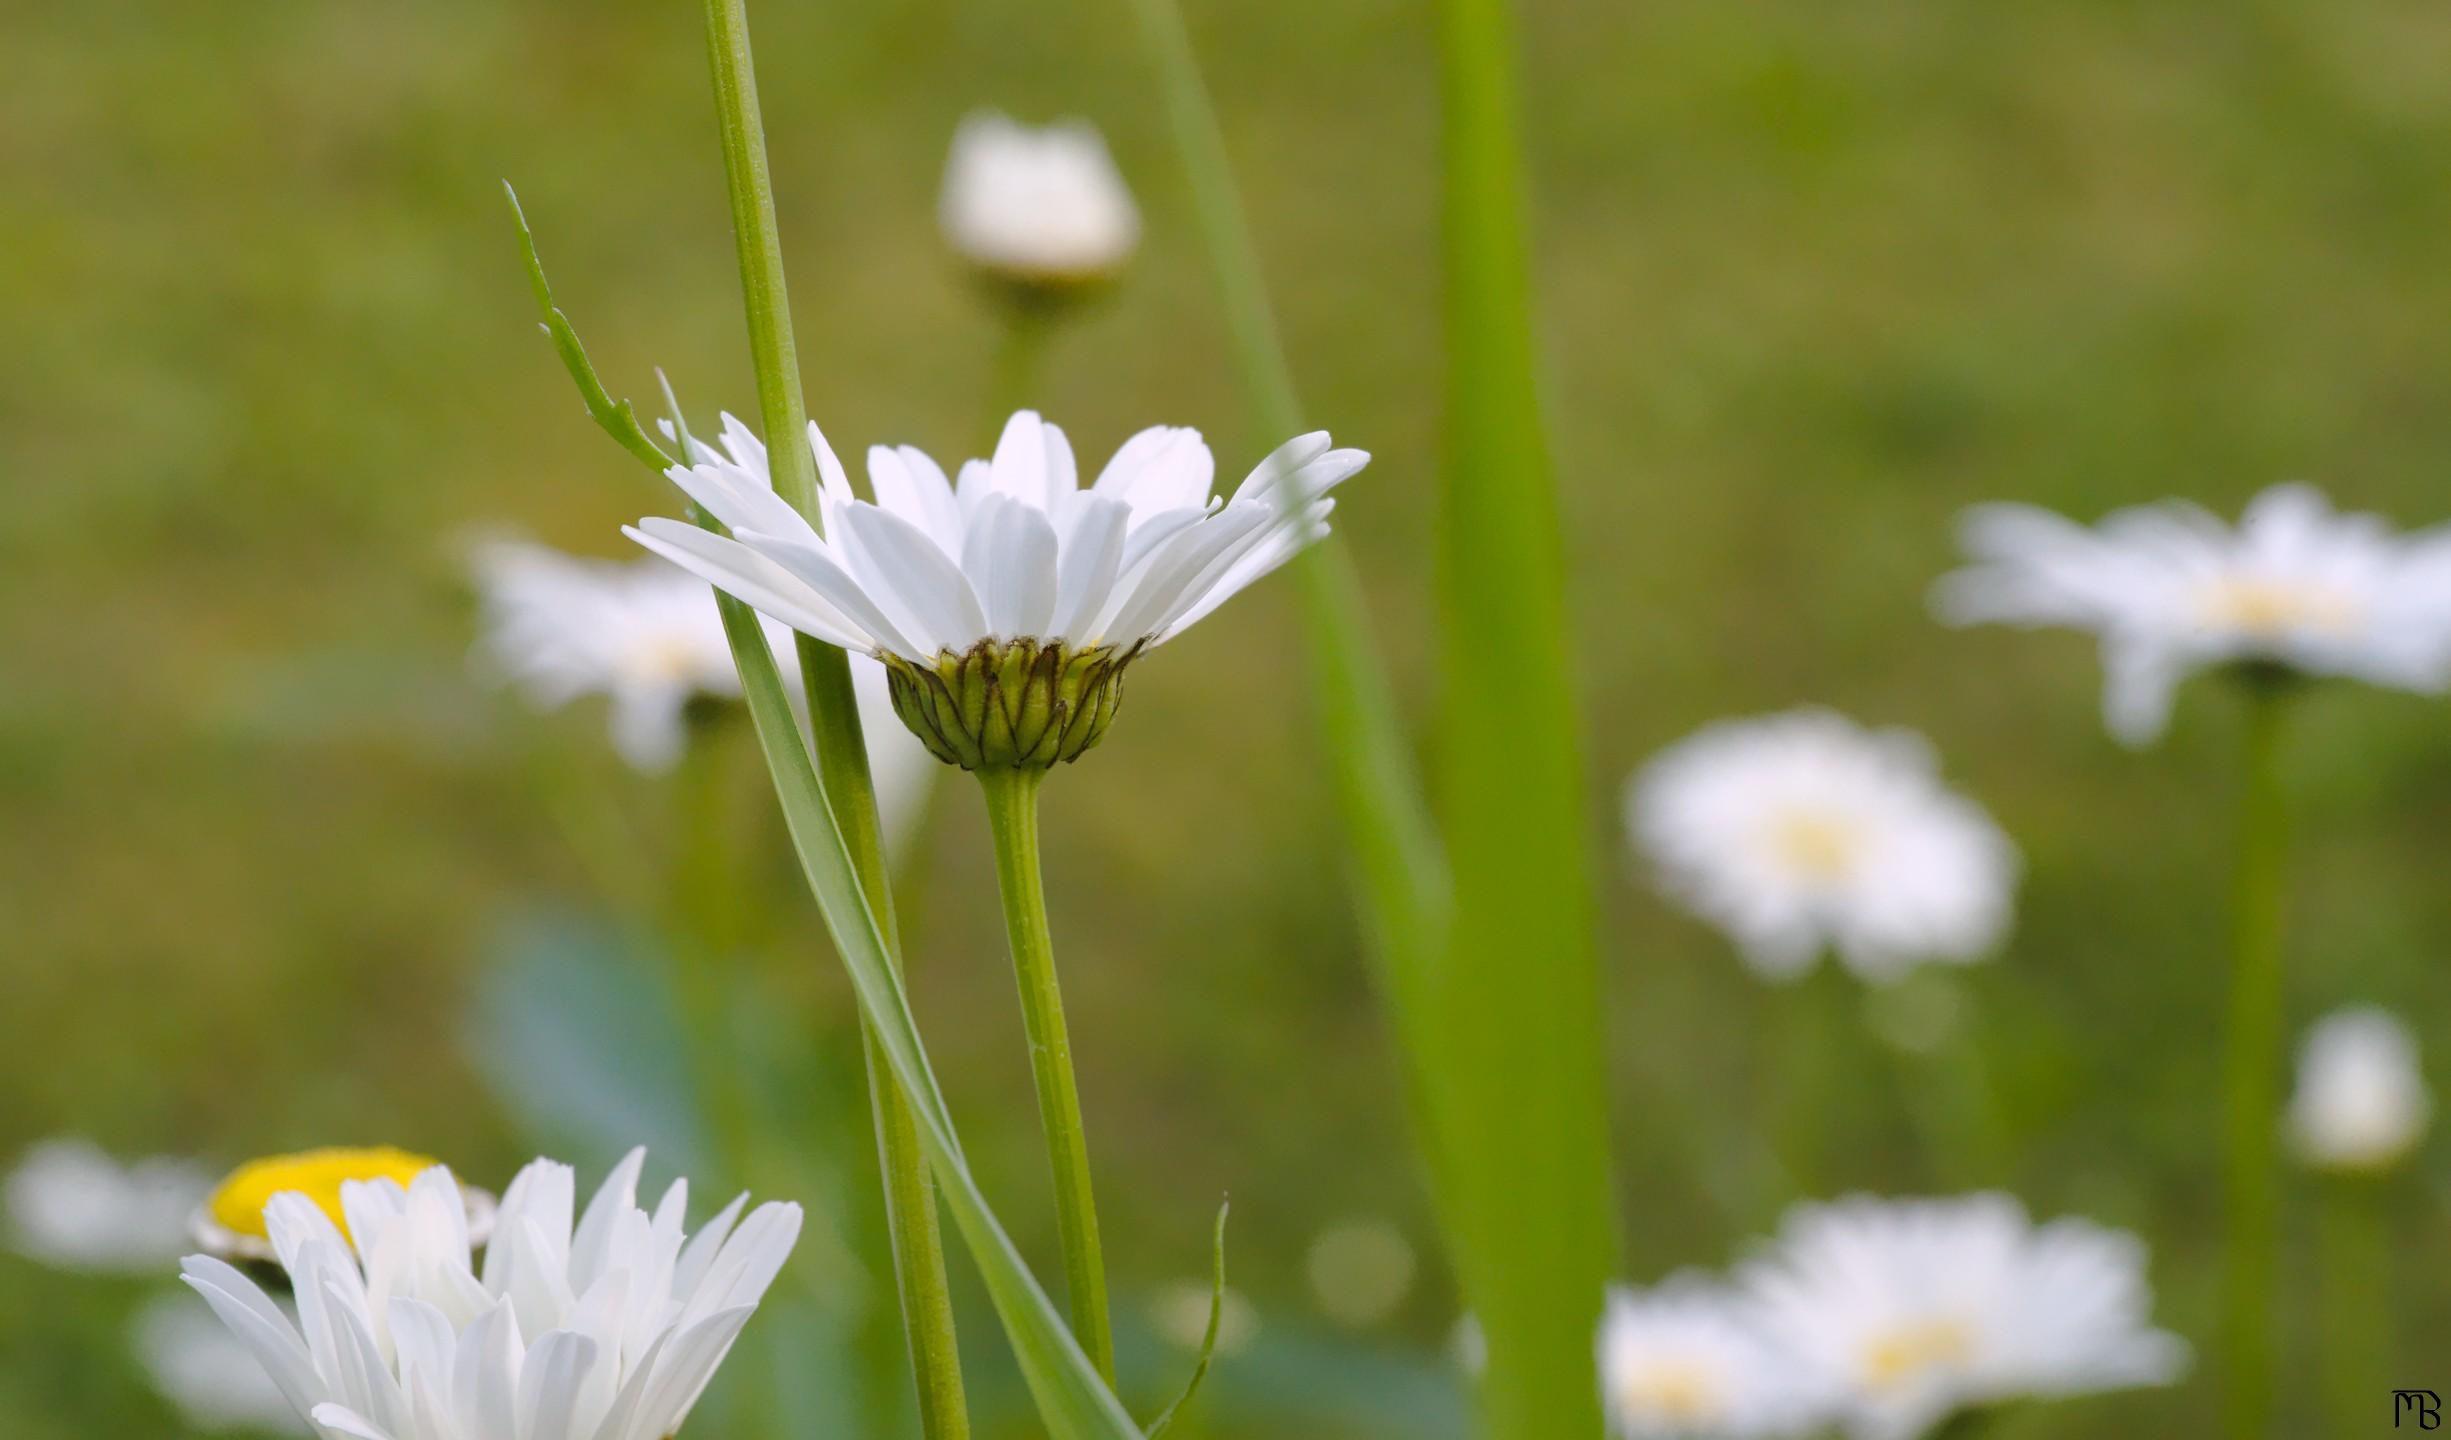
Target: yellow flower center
2270,607
238,1204
1817,846
1674,1391
1909,1351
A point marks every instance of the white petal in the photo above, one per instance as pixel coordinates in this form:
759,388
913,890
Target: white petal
749,577
1287,459
1092,557
544,1194
906,574
1281,545
749,1262
823,572
591,1245
341,1420
1164,467
1019,469
683,1370
260,1327
698,1256
738,502
1010,556
1174,570
909,484
551,1386
485,1375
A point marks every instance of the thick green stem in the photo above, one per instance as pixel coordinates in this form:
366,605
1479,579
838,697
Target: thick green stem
2353,1245
705,908
834,722
1012,813
2253,1075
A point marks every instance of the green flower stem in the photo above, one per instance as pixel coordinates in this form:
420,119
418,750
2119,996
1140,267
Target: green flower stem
842,754
1021,354
1012,813
2354,1248
2253,1074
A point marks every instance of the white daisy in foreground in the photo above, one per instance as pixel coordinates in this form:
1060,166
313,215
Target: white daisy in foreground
1006,606
206,1372
646,635
1804,831
2361,1102
75,1208
1686,1360
608,1330
1043,209
2170,589
1910,1311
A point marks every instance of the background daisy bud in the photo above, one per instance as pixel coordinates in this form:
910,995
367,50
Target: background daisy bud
2361,1102
1043,209
1006,604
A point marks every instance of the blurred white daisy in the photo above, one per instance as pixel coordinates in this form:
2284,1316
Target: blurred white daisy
2170,589
1686,1360
1042,208
205,1372
1005,606
1804,831
646,635
1910,1311
2361,1102
609,1330
74,1207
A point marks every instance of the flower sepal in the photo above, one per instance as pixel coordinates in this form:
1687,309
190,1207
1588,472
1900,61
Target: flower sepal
1011,704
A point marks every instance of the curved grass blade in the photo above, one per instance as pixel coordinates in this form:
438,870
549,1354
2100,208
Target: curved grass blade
1208,1339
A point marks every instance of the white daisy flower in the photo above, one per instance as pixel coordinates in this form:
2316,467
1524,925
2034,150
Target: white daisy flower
1042,208
1802,831
1005,606
2361,1102
1909,1311
75,1208
1685,1360
2170,589
646,635
606,1331
205,1372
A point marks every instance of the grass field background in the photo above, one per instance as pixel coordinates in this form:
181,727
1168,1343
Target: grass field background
1812,278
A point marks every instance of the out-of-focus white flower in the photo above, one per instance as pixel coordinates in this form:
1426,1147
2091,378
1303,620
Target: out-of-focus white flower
206,1372
609,1330
2361,1102
1360,1270
1687,1361
1042,208
1179,1312
1802,831
1005,607
74,1207
2170,589
1909,1311
646,635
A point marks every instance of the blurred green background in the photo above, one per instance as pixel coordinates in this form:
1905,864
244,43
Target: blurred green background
1813,277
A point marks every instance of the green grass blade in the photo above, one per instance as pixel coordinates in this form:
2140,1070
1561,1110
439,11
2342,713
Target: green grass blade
1208,1337
1519,1001
1399,871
